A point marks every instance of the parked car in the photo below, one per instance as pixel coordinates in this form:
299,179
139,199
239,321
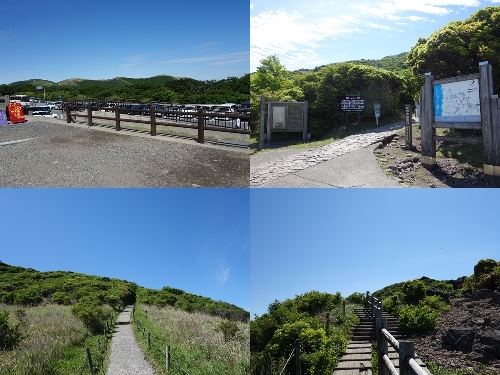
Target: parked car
45,114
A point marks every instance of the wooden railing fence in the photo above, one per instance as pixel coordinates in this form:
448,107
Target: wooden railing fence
94,362
201,116
405,349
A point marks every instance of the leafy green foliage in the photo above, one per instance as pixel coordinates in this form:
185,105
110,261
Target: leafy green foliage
413,291
419,318
229,330
457,48
9,334
91,313
178,298
356,298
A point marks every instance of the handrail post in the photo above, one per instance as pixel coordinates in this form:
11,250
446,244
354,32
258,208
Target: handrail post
89,113
201,125
89,361
297,357
117,118
367,305
152,116
381,345
406,349
167,359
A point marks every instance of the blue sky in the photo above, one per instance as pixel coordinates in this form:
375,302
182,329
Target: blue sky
306,34
358,240
192,239
58,40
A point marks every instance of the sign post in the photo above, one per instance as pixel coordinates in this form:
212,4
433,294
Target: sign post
408,123
351,103
377,106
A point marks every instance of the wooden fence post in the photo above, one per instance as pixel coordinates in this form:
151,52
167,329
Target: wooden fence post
201,125
117,118
426,120
68,113
327,323
406,349
89,361
495,122
167,360
485,92
297,357
343,307
262,121
381,345
99,344
149,340
89,113
152,116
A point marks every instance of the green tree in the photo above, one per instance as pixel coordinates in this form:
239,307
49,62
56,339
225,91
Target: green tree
457,48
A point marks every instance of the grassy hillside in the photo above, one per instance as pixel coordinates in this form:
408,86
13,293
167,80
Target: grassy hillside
47,319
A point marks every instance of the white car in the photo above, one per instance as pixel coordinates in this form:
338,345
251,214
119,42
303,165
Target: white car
45,114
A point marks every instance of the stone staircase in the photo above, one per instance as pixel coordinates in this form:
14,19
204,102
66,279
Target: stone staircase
365,330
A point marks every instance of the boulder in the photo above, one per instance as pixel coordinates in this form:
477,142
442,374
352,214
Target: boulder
459,338
491,338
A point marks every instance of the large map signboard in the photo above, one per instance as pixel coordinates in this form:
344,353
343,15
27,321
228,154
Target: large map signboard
457,102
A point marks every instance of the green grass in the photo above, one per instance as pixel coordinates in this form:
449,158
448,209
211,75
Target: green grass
196,343
53,343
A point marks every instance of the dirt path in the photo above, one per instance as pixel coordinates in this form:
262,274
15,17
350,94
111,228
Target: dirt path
126,357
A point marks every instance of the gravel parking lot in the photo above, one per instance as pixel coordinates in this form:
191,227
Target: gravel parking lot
55,154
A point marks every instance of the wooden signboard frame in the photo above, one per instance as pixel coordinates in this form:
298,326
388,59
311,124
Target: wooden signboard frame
287,117
489,125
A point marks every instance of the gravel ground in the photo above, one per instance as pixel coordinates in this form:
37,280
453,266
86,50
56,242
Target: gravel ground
126,357
61,155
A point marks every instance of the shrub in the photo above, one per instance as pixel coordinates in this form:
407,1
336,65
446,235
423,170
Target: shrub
61,298
356,298
9,335
436,303
413,291
418,318
482,268
92,315
229,330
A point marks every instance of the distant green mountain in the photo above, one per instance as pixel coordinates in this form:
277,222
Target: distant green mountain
113,82
394,63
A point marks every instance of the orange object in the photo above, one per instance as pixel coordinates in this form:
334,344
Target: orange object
16,113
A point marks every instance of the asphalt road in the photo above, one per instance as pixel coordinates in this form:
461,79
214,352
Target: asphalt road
55,154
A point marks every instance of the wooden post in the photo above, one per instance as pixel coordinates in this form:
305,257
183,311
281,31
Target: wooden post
269,120
381,345
89,361
201,124
99,344
298,370
68,113
167,359
406,349
117,118
426,120
485,92
89,112
152,116
262,121
327,323
343,307
495,122
408,125
149,340
304,123
366,301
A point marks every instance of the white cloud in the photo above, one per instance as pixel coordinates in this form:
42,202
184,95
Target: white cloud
251,6
416,18
223,272
236,56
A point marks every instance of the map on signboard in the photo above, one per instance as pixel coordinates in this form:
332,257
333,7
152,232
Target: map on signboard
457,102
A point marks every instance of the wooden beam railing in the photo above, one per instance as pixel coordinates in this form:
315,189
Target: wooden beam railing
374,304
199,120
405,349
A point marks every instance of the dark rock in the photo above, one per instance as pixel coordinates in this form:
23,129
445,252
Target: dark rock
482,294
491,338
434,291
460,338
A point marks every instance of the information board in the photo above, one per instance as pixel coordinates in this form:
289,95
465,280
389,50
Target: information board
457,102
352,103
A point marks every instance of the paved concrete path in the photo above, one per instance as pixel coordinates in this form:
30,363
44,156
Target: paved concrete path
126,357
348,162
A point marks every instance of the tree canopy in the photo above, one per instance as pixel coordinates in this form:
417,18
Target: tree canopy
458,48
